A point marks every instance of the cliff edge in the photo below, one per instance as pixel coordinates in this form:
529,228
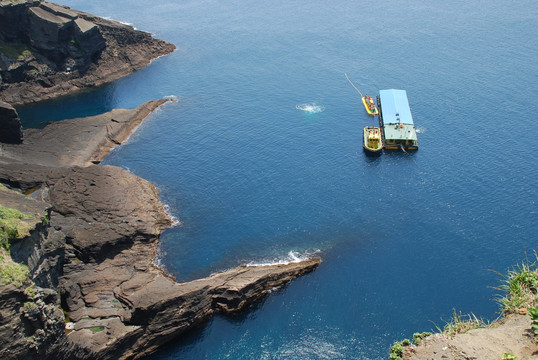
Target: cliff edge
78,280
48,50
96,293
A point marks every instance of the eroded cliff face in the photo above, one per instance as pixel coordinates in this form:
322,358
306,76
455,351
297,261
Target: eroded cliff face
48,50
92,291
96,292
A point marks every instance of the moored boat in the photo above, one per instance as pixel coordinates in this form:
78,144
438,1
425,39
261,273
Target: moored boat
371,137
369,105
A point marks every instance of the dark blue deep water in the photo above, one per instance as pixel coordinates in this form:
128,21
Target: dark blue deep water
404,239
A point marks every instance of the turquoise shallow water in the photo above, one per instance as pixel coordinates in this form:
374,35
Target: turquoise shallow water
404,239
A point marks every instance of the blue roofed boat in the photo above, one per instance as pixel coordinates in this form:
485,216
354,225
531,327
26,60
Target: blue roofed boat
396,121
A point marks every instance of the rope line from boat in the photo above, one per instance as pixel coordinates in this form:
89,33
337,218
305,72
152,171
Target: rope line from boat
353,85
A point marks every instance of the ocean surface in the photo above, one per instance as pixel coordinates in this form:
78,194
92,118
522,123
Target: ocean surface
260,159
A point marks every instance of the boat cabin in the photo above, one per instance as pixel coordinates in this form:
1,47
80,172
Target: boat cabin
396,120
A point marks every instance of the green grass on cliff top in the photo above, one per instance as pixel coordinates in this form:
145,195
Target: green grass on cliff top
12,226
520,285
520,294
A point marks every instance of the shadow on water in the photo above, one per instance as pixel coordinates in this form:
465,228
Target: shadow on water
370,157
86,103
185,341
197,335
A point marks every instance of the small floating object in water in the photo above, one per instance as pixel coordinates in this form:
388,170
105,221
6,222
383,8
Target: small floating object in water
310,108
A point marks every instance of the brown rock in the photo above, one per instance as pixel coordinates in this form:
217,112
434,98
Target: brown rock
510,335
78,142
104,225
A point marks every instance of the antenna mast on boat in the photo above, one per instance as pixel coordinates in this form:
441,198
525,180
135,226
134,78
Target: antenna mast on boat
353,85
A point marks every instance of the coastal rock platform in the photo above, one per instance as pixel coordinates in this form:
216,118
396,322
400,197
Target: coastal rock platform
92,255
93,290
48,50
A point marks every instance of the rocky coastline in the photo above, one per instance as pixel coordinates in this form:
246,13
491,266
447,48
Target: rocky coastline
48,51
92,290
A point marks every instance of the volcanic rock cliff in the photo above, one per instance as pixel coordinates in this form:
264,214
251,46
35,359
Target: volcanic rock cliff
88,288
90,253
48,50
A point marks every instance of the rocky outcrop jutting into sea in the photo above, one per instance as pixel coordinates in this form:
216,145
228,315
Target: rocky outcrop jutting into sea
92,289
92,254
48,50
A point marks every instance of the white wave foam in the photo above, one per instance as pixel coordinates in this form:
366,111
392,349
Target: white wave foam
291,258
312,108
174,219
421,130
174,98
158,259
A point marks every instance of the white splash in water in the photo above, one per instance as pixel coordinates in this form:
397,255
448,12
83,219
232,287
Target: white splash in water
310,108
290,258
421,130
171,97
175,220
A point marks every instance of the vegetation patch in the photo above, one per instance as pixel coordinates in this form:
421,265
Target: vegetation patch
12,225
520,295
533,313
461,323
396,350
30,306
10,271
14,51
97,329
520,285
418,337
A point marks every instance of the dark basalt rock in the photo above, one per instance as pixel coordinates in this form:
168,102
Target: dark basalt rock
10,125
48,50
94,255
91,253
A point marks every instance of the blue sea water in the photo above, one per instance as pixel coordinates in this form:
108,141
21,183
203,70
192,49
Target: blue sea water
254,178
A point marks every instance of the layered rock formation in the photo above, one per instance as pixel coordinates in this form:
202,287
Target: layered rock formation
93,291
91,255
47,50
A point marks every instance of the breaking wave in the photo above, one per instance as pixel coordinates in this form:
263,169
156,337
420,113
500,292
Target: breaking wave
290,258
175,220
310,108
171,97
421,130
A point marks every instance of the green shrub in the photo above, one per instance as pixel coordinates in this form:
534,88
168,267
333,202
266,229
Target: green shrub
14,51
12,272
97,329
461,323
520,286
418,337
12,226
396,350
30,306
509,356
